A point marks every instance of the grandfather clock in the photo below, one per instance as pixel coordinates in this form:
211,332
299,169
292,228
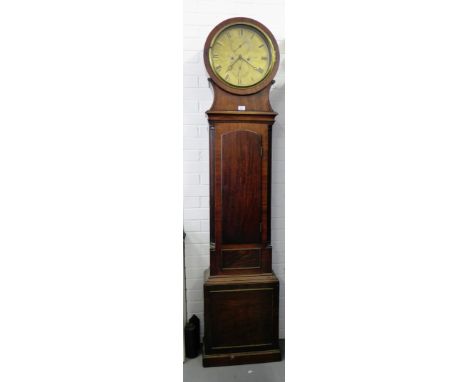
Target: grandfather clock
241,293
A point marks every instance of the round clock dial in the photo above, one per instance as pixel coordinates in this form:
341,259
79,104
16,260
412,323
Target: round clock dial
241,55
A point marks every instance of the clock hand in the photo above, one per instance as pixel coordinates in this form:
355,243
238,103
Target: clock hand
239,46
230,66
242,58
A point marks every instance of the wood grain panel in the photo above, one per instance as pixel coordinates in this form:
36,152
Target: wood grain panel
241,259
242,317
241,173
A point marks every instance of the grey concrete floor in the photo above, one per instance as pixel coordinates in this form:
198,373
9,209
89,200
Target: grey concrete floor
258,372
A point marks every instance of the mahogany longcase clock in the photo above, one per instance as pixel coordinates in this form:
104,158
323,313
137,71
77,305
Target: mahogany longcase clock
241,293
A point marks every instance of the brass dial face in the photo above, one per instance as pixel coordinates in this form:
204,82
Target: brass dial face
241,55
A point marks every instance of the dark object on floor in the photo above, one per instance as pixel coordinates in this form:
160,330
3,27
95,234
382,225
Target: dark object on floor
192,337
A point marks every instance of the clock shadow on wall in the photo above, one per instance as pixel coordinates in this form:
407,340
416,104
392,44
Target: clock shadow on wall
243,287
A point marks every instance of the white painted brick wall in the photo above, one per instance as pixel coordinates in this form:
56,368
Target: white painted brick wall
200,17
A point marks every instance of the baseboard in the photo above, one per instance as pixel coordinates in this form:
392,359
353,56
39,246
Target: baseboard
228,359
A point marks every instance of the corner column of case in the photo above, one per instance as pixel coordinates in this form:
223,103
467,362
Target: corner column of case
212,200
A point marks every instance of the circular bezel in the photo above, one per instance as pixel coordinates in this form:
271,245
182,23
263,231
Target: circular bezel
266,34
265,38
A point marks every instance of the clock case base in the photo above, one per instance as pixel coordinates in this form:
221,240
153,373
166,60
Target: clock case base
241,358
241,319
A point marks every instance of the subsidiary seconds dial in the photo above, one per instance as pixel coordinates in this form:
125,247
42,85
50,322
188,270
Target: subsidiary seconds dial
241,55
